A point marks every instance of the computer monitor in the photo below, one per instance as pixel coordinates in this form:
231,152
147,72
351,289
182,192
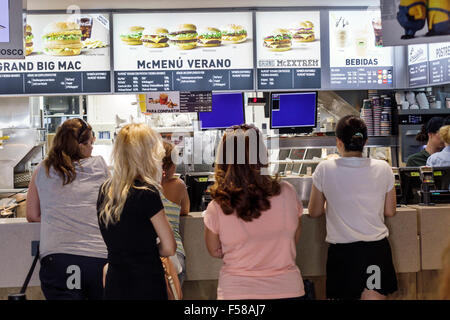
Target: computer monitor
227,111
293,112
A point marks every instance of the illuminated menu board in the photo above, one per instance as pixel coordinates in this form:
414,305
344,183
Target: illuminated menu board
418,65
65,54
358,59
183,52
439,62
288,49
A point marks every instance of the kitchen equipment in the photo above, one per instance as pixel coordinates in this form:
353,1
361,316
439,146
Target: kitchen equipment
397,184
427,178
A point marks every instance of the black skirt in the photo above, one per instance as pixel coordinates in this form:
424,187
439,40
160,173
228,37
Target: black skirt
353,267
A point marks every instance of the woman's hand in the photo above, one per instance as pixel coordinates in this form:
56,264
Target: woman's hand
105,271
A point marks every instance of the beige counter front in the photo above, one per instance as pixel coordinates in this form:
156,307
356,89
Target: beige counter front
311,249
434,228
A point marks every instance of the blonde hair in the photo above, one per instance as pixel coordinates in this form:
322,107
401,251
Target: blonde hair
444,132
137,155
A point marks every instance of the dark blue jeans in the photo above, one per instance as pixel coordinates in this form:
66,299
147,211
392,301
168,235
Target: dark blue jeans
71,277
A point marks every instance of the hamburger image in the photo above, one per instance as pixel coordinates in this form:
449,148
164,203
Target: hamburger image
303,32
278,40
155,38
133,36
185,37
28,40
210,37
234,33
62,39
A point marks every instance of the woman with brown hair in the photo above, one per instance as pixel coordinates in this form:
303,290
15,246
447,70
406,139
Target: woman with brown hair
253,222
62,196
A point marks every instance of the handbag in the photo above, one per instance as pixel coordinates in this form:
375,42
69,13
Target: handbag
172,282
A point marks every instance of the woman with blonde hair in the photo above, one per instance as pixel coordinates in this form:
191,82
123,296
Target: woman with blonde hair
132,218
62,197
442,158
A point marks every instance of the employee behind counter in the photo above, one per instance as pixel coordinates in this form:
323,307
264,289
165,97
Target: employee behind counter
434,143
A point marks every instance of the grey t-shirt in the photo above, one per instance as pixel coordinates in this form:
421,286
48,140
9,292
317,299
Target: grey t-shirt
68,213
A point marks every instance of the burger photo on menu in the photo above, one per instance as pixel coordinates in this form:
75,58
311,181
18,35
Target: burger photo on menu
234,33
133,36
278,40
62,39
303,32
184,37
155,38
28,38
209,37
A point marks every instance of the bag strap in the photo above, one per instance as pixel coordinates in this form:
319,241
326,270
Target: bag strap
170,282
30,272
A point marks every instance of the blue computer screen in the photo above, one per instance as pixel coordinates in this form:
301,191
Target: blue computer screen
294,109
227,111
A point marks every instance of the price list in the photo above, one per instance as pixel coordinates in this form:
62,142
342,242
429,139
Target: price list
199,101
183,80
439,62
365,77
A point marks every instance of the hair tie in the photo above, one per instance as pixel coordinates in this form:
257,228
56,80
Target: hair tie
358,134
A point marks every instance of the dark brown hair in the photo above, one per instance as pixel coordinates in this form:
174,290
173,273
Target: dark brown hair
65,148
167,162
432,126
239,185
353,132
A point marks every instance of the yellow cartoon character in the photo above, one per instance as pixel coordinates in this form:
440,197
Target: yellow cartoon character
411,16
438,17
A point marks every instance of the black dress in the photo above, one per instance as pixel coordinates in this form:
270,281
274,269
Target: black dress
135,271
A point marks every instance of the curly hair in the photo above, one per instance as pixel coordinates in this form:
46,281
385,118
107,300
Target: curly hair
239,186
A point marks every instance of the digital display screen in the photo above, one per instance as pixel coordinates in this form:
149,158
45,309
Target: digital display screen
4,20
227,111
294,110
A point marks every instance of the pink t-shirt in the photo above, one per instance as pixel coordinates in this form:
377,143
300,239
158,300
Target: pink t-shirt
259,256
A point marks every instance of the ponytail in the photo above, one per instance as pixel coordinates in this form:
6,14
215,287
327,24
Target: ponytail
422,136
353,133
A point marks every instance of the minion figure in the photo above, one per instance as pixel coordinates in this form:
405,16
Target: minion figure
438,17
411,16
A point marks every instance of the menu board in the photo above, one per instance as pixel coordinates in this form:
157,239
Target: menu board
65,54
439,62
418,65
288,49
358,59
176,101
183,52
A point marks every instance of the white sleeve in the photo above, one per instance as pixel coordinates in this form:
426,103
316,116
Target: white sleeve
389,178
430,161
317,177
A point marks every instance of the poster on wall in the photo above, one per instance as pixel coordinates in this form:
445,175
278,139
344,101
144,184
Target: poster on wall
183,51
418,65
357,56
65,54
408,22
288,49
439,62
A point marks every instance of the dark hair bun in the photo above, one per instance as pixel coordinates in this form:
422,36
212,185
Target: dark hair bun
353,132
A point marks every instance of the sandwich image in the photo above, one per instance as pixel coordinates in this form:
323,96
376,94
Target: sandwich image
234,33
185,37
210,37
28,40
278,40
155,38
133,36
303,32
62,39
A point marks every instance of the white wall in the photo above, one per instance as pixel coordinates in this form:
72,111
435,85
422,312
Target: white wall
102,109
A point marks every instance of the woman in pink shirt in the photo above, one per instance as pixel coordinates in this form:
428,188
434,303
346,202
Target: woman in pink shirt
253,222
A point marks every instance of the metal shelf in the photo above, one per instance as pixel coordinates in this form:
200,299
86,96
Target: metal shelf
327,141
424,111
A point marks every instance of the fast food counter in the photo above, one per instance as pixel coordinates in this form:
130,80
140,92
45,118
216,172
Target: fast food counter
417,236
